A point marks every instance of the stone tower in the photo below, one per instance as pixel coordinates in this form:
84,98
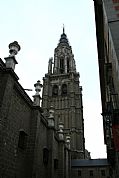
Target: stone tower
61,90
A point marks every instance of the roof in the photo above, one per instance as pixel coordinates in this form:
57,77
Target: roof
89,163
2,64
63,39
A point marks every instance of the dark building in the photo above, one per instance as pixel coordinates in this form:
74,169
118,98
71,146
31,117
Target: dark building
35,141
42,142
107,32
98,168
30,146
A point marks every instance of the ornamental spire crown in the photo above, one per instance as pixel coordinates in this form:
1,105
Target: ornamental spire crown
63,57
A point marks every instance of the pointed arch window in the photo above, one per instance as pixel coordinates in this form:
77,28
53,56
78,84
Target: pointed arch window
62,65
55,90
22,139
64,89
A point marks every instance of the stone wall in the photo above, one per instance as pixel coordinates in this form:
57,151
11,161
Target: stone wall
28,147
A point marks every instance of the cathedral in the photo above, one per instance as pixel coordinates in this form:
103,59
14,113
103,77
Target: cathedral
61,90
44,140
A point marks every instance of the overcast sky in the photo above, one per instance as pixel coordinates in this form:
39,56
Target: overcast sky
37,26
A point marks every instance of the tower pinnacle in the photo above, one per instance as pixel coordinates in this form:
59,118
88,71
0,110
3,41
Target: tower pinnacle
63,29
63,39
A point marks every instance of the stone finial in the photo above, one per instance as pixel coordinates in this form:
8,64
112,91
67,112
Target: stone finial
37,97
13,50
68,141
38,87
50,65
51,122
61,132
51,112
14,47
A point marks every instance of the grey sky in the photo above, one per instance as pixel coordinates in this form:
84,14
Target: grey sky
37,26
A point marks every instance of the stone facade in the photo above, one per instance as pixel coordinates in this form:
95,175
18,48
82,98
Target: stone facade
90,168
107,26
29,147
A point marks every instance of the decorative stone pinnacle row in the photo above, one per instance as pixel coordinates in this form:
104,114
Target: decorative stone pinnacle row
60,131
38,87
14,47
13,50
51,121
37,97
61,126
68,139
51,112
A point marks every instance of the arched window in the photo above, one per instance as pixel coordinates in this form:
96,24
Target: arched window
22,139
55,90
62,65
64,89
45,155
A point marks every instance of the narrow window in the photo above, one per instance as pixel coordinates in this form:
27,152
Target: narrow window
79,172
45,156
103,172
64,89
55,163
61,65
91,173
22,140
55,90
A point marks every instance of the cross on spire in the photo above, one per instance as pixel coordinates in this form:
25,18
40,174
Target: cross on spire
63,29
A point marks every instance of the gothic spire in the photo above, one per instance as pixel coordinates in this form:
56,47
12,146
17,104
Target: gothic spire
63,39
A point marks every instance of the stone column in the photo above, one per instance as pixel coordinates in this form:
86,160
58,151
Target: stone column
50,135
55,64
50,65
65,64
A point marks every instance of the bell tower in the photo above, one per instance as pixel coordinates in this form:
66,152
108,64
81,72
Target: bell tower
61,89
